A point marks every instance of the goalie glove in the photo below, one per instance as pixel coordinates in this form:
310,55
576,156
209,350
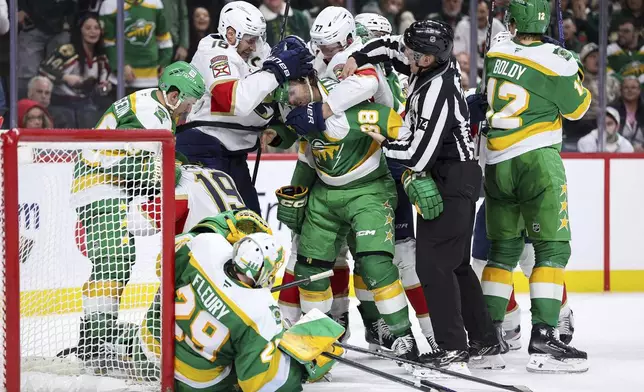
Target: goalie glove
234,225
423,194
292,205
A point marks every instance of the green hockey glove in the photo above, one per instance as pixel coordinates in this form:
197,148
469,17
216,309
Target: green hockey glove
292,204
423,193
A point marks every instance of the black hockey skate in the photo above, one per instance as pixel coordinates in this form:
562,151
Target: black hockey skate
344,321
486,356
566,327
454,360
378,335
500,334
405,347
550,355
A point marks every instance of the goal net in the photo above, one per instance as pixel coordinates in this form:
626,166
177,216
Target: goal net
83,290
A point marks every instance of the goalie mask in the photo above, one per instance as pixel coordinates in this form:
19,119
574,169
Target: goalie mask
258,257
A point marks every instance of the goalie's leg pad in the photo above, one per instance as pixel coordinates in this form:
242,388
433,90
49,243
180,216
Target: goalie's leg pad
318,294
381,278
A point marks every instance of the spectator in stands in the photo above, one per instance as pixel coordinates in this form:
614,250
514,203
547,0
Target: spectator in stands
32,114
148,44
462,32
200,27
625,50
570,35
176,16
631,110
44,25
589,57
78,70
613,141
632,10
394,11
586,20
319,5
635,69
4,28
450,12
297,21
39,89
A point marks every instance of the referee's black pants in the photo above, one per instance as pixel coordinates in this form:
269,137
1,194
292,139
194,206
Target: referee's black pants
452,290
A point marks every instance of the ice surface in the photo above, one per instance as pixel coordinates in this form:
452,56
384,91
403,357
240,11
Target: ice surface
607,326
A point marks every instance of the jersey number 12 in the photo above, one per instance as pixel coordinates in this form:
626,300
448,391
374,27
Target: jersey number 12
508,117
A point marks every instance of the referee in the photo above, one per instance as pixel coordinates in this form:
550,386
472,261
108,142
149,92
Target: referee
443,182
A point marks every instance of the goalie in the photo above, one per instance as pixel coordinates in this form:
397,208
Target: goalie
229,333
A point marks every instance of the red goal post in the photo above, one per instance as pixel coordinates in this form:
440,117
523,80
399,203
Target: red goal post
61,140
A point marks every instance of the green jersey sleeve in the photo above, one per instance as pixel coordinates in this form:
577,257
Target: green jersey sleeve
163,37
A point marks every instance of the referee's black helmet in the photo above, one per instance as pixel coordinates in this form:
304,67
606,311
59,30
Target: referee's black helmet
430,37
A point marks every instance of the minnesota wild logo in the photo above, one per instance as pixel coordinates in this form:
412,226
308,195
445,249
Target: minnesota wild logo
325,153
161,115
140,32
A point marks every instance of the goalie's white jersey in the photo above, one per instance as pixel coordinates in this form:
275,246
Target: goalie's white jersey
232,110
200,193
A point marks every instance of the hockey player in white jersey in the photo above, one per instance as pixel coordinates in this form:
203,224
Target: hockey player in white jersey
226,123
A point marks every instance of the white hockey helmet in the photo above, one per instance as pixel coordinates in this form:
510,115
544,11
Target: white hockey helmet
258,257
333,25
501,36
244,18
375,23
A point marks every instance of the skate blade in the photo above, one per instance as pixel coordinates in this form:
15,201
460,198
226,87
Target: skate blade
487,362
544,363
515,345
425,373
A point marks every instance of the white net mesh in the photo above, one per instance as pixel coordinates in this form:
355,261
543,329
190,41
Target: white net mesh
88,264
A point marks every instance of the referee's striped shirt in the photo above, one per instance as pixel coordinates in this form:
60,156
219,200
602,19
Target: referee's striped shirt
436,110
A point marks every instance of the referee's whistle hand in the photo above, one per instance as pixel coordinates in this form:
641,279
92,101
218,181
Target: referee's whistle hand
349,69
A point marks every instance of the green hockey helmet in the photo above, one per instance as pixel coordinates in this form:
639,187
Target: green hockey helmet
363,32
530,16
185,78
280,94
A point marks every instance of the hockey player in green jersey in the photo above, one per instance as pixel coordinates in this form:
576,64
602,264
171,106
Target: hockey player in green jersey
353,196
229,333
531,85
105,181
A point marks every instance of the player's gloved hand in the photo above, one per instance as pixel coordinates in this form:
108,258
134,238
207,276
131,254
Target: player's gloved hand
423,193
291,206
477,104
306,119
289,64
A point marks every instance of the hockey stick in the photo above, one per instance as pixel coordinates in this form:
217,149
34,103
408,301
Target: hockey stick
416,385
259,150
488,41
312,278
515,388
560,23
286,11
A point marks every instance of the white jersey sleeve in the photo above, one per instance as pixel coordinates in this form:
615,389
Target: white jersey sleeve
208,192
233,110
234,90
368,82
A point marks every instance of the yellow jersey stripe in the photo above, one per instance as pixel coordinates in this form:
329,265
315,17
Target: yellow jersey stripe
581,110
503,142
524,61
